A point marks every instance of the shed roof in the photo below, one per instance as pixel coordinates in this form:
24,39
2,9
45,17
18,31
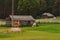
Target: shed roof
48,14
22,17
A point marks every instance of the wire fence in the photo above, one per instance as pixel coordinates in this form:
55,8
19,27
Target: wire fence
39,21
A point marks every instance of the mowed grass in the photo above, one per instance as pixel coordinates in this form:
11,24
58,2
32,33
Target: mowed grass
41,32
36,35
54,28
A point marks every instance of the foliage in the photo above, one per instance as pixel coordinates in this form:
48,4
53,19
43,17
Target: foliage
31,7
28,7
37,7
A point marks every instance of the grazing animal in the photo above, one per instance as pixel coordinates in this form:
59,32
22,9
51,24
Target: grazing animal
34,25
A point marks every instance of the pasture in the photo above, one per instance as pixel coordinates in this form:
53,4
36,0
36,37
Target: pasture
41,32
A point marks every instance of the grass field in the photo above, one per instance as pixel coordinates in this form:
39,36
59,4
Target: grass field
54,28
42,32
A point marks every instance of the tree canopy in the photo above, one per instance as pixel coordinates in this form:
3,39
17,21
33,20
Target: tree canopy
32,7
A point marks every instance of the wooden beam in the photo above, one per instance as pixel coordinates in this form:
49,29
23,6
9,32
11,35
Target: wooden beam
12,11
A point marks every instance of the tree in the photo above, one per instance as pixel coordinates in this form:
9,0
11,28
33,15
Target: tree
8,7
28,7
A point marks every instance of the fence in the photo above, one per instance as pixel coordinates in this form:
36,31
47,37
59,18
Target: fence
39,21
5,23
48,21
2,23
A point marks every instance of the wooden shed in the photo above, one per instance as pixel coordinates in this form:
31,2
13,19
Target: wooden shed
23,19
47,15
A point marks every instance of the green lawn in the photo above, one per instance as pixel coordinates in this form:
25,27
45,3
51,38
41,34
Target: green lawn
54,28
42,32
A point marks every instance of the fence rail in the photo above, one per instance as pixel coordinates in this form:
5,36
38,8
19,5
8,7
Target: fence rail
48,21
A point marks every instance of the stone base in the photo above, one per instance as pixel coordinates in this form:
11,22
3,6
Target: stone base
15,29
